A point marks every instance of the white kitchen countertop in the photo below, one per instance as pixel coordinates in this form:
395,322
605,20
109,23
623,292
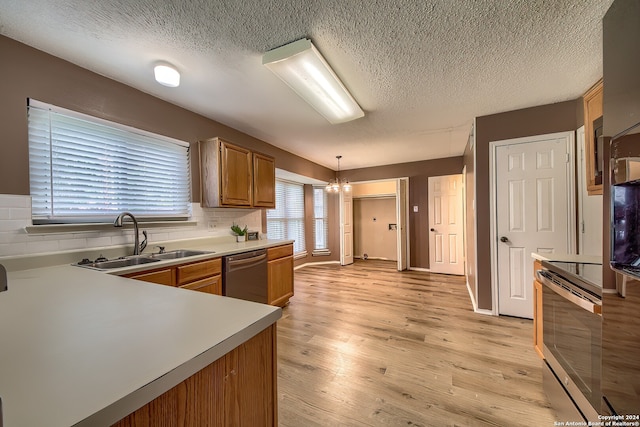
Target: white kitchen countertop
80,347
591,259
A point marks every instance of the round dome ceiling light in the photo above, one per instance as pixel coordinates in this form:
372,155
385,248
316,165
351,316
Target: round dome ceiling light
166,75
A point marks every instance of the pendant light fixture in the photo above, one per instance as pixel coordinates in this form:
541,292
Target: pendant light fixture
340,184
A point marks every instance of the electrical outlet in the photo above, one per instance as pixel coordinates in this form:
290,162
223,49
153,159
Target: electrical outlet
211,225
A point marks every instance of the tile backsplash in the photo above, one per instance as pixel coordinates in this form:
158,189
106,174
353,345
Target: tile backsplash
15,215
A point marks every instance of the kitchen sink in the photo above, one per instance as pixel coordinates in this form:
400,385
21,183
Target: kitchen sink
104,264
118,263
180,253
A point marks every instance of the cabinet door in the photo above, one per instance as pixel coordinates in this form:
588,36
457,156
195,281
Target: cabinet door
537,318
250,387
161,277
264,181
236,175
280,285
210,285
593,138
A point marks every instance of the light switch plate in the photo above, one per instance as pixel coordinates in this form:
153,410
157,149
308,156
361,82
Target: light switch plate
415,208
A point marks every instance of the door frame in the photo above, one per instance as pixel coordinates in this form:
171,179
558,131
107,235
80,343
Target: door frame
571,205
399,230
402,232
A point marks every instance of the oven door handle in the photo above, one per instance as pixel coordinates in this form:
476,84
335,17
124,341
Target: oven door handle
583,303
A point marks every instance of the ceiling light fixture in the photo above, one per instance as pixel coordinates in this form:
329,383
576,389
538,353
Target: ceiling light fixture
166,75
339,184
302,67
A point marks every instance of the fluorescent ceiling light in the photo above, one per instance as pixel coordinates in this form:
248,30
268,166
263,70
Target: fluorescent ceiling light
167,75
302,67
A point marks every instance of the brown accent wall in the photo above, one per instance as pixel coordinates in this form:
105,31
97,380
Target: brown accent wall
539,120
30,73
418,174
621,90
469,235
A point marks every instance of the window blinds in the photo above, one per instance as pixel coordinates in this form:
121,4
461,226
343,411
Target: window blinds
84,169
286,221
320,219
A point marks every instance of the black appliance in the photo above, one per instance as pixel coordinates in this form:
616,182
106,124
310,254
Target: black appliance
572,333
621,308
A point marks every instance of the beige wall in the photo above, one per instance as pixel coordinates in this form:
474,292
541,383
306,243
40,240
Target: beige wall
371,219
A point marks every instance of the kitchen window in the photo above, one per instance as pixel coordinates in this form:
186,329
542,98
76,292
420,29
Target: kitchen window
286,221
85,169
320,222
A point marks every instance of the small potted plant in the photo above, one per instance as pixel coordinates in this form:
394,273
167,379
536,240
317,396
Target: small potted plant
241,233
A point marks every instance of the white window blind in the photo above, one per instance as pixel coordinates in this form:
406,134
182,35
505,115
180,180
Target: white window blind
85,169
286,221
320,220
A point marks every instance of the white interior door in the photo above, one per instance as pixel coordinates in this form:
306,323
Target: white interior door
346,228
446,243
532,177
401,214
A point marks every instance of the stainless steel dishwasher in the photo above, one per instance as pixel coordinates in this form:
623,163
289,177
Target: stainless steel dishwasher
244,276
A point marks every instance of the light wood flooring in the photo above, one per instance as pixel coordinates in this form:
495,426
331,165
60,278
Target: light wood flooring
366,345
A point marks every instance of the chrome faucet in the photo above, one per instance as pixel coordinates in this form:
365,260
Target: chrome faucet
137,248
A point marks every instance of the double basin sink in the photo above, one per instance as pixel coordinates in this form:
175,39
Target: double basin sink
139,259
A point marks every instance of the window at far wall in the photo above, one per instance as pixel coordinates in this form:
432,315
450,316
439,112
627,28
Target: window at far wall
85,169
286,221
320,222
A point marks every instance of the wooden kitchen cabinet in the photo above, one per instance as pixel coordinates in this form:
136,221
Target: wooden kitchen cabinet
234,176
164,276
264,181
239,389
537,311
202,276
593,140
280,275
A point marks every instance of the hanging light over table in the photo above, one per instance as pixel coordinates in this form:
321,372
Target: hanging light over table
339,184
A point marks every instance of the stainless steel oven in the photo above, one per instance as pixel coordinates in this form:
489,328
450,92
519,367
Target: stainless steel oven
572,337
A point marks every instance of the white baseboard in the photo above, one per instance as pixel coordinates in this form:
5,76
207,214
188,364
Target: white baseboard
316,263
475,305
426,270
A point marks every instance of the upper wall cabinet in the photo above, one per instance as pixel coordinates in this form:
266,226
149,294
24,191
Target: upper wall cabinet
233,176
594,138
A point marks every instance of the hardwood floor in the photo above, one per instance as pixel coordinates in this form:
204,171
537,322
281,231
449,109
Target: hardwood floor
366,345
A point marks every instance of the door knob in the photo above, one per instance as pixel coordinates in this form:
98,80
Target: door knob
433,229
503,239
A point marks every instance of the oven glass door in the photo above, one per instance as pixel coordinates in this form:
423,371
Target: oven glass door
574,335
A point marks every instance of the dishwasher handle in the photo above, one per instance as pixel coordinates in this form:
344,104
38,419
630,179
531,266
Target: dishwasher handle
242,263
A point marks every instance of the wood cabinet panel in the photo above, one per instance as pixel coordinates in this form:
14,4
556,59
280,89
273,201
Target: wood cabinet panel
233,176
190,272
239,389
279,252
537,312
264,181
280,280
210,285
592,128
236,175
165,276
280,275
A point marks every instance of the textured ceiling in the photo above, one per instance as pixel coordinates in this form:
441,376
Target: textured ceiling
421,70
